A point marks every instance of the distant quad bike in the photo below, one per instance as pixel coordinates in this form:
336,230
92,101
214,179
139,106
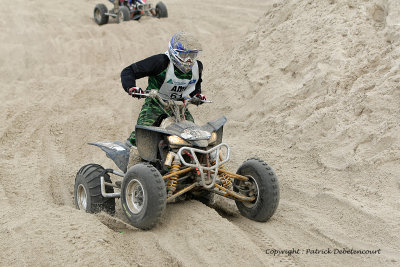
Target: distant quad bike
176,160
125,10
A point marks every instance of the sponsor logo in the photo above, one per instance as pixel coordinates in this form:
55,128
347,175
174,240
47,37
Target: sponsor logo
178,82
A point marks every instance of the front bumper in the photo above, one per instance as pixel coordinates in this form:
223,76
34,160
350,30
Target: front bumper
212,168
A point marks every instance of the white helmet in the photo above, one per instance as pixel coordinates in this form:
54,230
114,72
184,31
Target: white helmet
183,50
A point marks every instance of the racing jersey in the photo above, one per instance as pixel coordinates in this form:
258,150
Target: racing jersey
156,68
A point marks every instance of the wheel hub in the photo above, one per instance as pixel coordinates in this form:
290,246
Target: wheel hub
98,15
135,196
81,196
249,189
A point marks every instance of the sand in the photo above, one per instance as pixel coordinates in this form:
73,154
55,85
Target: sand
311,87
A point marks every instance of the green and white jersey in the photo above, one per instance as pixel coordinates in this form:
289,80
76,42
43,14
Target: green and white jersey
180,87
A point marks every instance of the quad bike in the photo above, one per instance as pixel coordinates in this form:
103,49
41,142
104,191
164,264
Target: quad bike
125,10
176,159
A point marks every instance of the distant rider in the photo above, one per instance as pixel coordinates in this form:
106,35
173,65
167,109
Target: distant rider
176,74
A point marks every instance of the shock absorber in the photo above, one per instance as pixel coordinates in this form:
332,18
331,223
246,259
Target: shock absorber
173,180
225,179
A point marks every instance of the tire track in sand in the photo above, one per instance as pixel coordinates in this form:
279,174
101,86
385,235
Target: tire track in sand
257,236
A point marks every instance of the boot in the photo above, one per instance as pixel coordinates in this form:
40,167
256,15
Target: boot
134,157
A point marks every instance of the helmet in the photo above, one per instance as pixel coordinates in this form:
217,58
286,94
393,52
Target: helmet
183,49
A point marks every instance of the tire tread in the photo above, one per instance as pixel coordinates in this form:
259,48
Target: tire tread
152,179
87,177
264,212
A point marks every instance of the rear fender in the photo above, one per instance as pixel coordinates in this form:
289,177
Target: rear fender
116,151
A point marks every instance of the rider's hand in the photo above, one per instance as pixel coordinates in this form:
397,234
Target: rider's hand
134,91
198,99
202,97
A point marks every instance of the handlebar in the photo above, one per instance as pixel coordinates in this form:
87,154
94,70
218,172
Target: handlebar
166,102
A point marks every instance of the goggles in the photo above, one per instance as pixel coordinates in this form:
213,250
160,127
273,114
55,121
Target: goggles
186,55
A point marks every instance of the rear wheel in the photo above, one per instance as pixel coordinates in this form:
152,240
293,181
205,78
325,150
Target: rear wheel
100,16
143,196
123,14
87,190
263,185
161,10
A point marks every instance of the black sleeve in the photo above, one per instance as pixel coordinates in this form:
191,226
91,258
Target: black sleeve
198,84
150,66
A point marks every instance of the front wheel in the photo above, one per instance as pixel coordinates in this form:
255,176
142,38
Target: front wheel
143,196
263,185
161,10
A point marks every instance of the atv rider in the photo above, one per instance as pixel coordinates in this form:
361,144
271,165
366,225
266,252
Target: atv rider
176,74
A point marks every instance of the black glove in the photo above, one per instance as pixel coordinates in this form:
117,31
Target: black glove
134,91
198,99
202,97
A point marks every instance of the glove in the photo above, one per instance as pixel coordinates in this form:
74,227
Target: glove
198,98
134,91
